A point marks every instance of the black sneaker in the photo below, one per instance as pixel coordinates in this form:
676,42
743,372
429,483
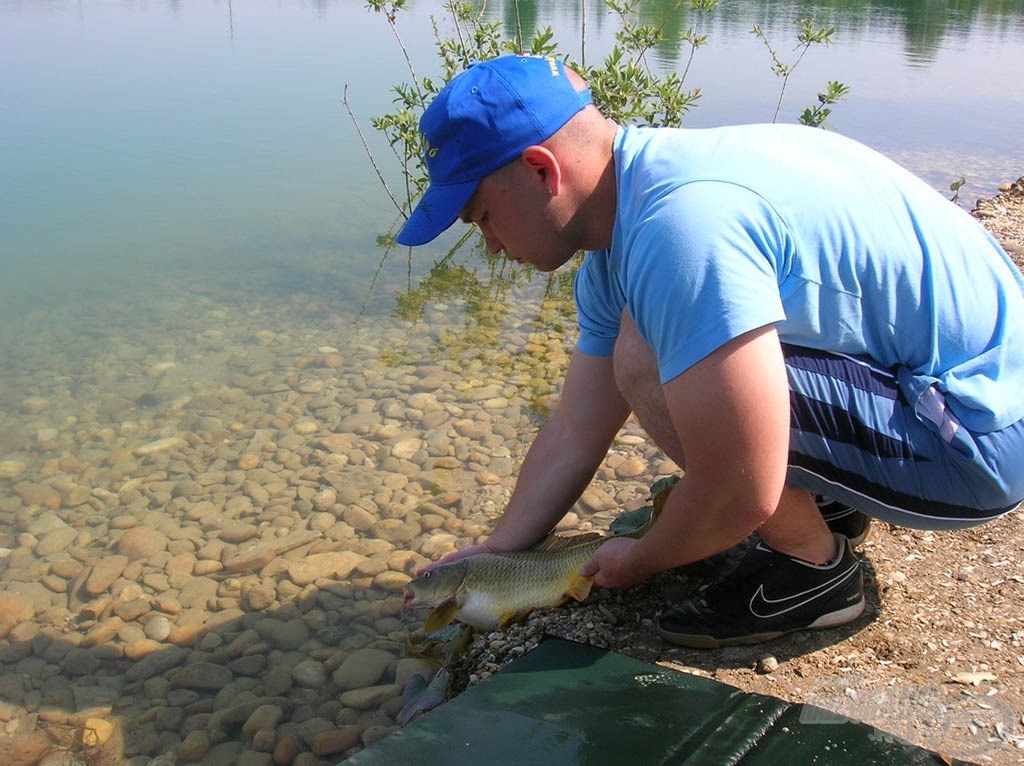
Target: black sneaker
844,520
769,594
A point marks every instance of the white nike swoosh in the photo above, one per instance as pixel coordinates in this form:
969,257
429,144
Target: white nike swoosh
765,608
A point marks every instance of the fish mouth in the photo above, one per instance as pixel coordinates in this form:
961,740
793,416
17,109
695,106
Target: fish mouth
412,601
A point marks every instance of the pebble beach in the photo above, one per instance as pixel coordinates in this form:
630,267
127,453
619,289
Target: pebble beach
207,519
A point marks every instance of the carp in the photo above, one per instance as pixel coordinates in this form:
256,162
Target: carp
489,590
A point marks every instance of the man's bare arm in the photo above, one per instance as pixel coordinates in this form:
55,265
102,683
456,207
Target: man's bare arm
731,412
565,454
562,459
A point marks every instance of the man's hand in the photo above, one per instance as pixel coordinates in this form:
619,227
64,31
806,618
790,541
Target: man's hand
614,564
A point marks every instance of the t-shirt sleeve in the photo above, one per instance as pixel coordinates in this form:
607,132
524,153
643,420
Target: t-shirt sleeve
599,304
702,266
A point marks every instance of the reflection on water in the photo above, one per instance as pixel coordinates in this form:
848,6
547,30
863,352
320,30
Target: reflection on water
230,427
925,28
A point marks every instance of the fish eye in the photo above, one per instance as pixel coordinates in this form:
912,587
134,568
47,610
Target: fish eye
428,575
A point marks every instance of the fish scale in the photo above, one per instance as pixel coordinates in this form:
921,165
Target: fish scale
487,590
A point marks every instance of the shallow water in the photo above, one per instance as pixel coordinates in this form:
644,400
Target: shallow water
209,368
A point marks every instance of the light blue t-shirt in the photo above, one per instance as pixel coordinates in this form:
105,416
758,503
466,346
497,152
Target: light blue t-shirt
720,231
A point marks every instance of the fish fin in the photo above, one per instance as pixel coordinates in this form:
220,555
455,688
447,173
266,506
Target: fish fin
513,616
660,490
441,616
632,523
636,523
580,586
555,543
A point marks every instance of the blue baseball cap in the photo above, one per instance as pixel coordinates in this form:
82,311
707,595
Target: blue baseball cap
480,121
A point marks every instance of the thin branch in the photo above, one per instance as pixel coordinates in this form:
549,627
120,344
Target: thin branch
583,34
463,48
405,52
369,153
373,282
519,28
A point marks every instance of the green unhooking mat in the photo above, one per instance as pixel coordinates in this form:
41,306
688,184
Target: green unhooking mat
566,703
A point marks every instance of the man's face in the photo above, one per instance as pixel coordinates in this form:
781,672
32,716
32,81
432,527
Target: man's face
514,212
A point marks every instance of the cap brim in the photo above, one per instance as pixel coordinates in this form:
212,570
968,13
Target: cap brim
436,211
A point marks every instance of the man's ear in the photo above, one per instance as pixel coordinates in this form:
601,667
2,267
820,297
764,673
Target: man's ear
544,165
